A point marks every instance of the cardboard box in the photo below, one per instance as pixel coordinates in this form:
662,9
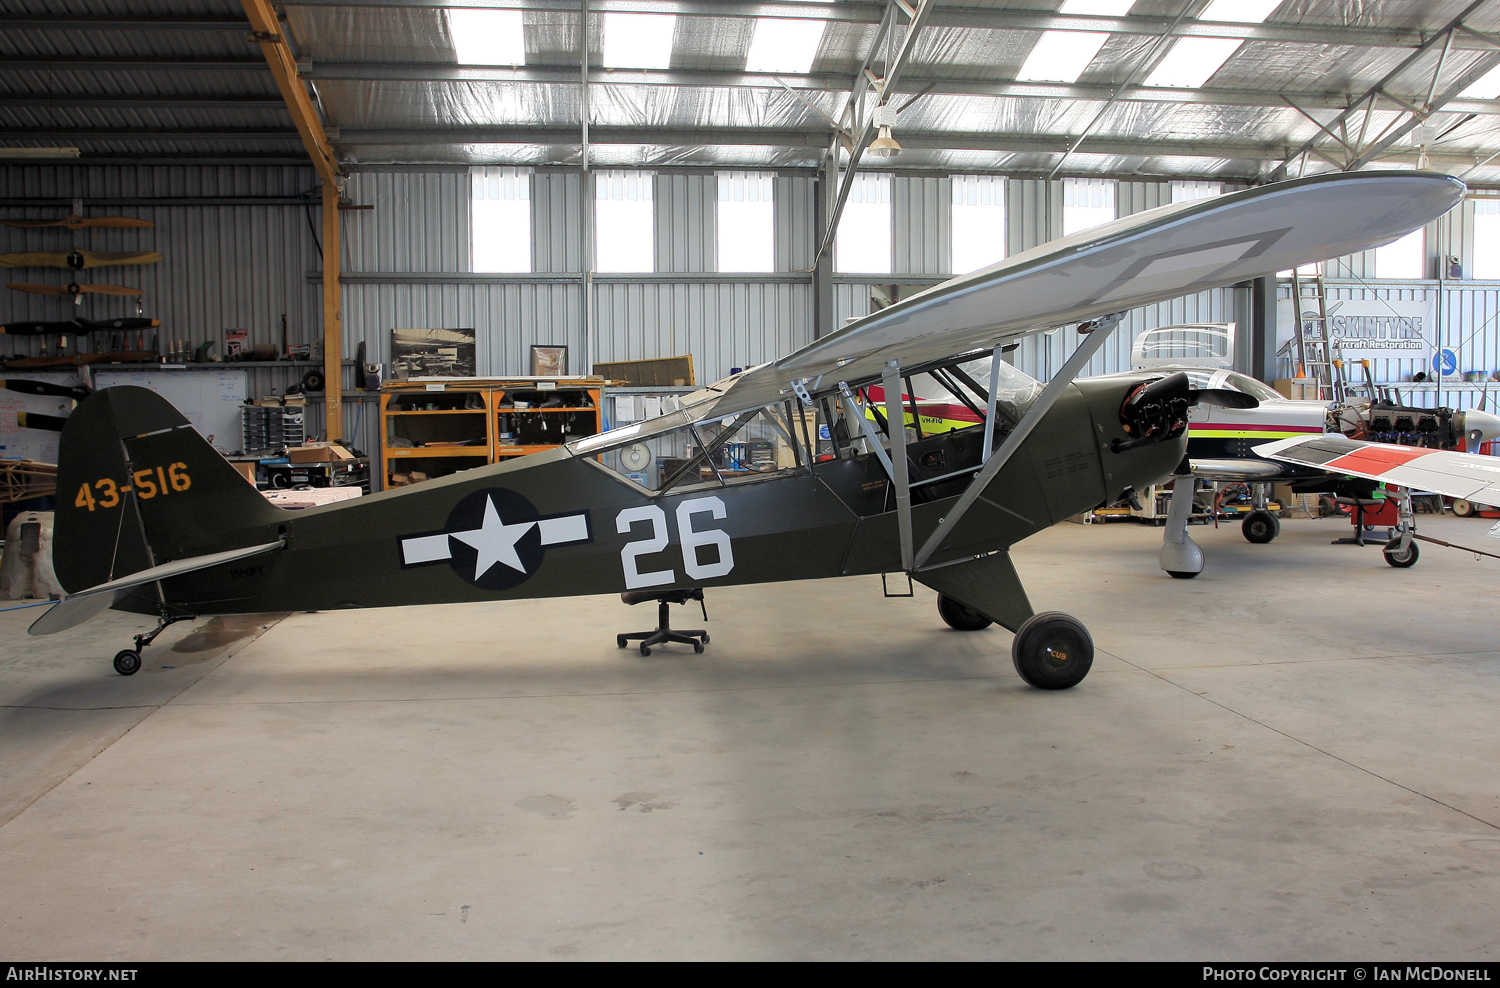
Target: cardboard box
246,470
318,453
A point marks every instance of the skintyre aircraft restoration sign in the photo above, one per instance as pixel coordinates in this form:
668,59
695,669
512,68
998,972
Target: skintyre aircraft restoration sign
1372,327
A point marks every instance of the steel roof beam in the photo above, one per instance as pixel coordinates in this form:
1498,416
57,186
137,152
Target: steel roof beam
133,64
726,137
955,16
175,102
1445,38
86,22
561,75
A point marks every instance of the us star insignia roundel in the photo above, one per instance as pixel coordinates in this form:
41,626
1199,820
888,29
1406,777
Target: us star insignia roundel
495,539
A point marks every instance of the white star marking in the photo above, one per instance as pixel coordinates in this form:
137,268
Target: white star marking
495,541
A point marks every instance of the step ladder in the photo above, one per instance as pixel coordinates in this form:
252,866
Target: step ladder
1312,348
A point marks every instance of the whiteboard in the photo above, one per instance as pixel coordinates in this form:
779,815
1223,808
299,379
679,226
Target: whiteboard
210,399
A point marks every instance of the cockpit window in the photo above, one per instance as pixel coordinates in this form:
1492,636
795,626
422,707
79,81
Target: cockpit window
752,445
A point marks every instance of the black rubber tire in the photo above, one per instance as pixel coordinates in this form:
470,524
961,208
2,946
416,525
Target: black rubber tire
698,647
312,381
1052,651
705,639
960,618
1398,559
1181,576
619,641
645,650
1260,527
1462,508
127,662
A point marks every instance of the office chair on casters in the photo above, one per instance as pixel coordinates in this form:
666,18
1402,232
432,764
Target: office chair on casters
663,632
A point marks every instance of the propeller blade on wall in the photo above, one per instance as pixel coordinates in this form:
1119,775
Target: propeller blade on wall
75,222
73,289
77,260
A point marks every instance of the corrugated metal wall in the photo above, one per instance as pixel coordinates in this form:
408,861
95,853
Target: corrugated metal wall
232,266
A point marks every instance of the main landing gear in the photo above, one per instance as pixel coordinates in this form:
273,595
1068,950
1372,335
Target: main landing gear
128,661
1260,526
1051,650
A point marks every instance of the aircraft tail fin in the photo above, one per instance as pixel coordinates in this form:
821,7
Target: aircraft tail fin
137,486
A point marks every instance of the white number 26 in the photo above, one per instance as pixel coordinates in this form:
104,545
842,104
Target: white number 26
691,541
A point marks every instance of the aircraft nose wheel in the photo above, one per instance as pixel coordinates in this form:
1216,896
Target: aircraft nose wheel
128,662
960,618
1052,651
1260,527
1397,558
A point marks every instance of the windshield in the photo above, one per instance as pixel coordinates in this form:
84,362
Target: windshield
1233,381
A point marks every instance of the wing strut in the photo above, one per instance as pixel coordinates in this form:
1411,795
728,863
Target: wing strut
1095,333
895,421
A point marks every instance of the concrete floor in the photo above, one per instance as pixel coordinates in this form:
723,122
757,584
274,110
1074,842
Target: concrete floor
1294,756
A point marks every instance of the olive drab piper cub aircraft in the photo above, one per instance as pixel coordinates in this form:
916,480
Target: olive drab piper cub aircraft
152,520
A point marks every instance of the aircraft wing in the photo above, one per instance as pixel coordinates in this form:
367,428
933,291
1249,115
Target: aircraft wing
1144,258
77,608
1471,476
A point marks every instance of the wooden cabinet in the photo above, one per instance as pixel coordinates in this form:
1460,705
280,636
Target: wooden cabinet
431,429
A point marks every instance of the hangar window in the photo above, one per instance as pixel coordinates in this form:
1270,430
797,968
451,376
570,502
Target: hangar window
746,221
638,41
624,221
486,37
978,221
1404,258
863,244
1188,191
500,219
1087,203
1487,239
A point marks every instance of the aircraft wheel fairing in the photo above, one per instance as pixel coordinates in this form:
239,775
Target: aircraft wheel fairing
1397,558
127,662
1053,651
1260,527
960,618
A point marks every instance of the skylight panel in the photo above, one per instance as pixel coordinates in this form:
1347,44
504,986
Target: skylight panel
638,41
1486,86
487,37
1061,56
1191,61
1240,11
783,44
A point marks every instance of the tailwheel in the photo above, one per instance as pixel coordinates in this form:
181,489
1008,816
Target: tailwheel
1053,651
1260,526
1462,508
961,618
1397,558
128,662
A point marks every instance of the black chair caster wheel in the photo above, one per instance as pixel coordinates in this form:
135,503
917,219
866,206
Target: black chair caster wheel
128,662
698,647
705,639
619,641
645,650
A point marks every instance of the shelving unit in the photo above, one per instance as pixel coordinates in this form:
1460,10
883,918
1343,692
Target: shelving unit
432,428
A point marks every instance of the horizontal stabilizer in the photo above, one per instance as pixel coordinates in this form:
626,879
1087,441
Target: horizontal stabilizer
77,608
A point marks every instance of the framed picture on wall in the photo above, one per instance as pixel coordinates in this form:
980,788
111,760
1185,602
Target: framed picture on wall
549,361
432,353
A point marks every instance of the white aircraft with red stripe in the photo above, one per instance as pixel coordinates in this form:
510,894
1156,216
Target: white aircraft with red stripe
1472,477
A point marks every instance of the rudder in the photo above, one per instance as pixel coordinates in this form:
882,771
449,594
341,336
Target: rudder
137,486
